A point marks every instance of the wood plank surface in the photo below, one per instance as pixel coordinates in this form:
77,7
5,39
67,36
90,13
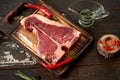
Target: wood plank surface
91,65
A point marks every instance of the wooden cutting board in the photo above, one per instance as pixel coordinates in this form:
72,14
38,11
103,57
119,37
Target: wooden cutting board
28,41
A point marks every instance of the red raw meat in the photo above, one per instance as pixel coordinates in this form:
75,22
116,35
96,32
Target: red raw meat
48,49
56,36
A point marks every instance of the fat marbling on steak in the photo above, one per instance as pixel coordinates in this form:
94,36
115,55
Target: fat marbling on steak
53,32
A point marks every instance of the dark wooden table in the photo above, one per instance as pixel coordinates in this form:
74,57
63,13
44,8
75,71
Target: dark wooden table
91,65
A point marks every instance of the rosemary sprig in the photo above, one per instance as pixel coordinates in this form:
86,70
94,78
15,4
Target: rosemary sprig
25,77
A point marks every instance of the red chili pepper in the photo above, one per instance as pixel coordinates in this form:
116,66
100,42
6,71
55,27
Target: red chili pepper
61,64
58,65
37,7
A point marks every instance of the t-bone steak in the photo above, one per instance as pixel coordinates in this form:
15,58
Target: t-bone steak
52,36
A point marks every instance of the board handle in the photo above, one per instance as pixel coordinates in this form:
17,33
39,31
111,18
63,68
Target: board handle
13,12
5,26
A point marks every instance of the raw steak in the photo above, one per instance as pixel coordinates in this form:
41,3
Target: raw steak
64,35
58,34
48,49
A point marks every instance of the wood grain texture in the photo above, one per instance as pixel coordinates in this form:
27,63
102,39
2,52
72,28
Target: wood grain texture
88,66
